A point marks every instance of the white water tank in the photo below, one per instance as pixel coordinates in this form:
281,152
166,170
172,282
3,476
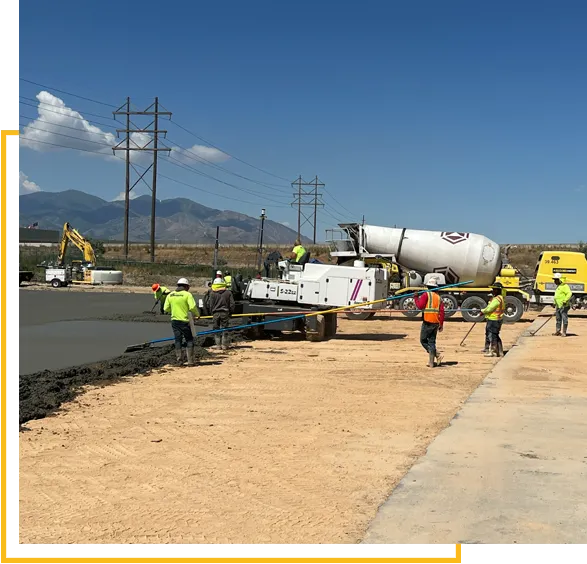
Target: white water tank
106,277
459,256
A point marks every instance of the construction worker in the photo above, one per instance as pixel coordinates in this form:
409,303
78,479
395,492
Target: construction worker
562,304
220,303
228,279
160,294
432,320
180,304
298,251
494,320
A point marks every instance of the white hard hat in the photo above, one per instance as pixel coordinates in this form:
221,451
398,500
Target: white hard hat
218,281
432,283
557,275
183,282
219,272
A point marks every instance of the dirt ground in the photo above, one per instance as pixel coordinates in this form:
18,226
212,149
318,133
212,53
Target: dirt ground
284,442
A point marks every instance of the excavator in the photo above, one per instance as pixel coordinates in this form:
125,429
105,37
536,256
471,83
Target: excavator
79,272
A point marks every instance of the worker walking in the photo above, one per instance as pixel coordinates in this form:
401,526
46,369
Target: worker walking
432,320
493,321
220,303
562,304
160,294
298,251
180,304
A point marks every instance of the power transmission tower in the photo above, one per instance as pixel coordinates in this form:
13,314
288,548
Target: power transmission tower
306,197
140,143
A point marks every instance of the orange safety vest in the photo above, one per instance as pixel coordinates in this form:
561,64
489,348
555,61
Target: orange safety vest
432,310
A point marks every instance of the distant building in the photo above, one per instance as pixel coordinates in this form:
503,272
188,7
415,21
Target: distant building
34,237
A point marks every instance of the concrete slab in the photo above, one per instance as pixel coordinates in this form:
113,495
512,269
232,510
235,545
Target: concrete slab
512,465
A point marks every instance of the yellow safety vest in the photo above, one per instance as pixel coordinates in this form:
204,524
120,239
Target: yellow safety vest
497,313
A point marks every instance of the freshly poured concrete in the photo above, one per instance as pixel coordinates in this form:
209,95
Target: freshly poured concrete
49,340
69,343
512,466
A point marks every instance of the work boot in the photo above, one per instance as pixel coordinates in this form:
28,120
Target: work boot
557,333
438,356
190,354
217,341
225,341
431,359
178,357
564,333
500,349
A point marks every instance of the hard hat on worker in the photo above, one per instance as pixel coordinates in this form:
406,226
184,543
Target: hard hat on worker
219,274
497,285
155,287
183,282
432,283
557,276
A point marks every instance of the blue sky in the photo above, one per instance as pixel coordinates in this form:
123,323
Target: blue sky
452,115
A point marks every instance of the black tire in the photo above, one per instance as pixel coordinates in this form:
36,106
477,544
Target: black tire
331,322
450,305
475,303
56,283
408,304
359,315
514,309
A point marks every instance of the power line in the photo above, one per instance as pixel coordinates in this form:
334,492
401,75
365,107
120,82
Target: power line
58,125
69,116
63,108
229,154
207,162
70,136
68,93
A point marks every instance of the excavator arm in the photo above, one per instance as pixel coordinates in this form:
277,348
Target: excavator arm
75,237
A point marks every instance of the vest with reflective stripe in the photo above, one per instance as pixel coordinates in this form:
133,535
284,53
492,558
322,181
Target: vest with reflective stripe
497,313
432,310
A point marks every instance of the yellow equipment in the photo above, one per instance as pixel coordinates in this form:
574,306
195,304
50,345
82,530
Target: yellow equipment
71,234
573,268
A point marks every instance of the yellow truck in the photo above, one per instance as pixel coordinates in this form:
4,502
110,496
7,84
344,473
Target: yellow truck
573,268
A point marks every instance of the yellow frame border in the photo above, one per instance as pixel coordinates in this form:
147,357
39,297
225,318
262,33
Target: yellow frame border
3,557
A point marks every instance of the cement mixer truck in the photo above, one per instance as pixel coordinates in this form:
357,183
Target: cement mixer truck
411,256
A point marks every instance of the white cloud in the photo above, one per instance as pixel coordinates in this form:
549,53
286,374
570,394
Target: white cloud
26,186
121,196
59,127
205,153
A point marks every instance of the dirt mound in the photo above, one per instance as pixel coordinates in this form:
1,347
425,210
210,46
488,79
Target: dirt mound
42,393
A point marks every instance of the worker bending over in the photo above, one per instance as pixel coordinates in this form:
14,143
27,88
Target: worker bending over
494,320
432,320
298,251
562,304
220,303
160,294
180,304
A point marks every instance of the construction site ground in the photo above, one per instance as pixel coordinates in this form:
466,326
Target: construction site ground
274,442
512,467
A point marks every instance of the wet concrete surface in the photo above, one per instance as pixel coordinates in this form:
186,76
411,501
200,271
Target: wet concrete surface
68,340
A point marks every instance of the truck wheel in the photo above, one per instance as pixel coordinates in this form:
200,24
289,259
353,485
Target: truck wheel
408,305
476,304
450,305
318,334
361,315
514,309
331,321
56,283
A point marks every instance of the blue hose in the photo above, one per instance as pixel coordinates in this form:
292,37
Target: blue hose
301,316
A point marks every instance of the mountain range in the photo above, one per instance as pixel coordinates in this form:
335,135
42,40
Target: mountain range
177,219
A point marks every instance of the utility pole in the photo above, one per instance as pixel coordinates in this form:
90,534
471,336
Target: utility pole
216,252
151,131
304,198
260,248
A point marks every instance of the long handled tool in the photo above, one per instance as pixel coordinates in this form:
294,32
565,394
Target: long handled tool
468,333
140,346
154,306
547,320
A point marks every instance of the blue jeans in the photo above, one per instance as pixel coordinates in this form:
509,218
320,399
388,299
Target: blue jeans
562,318
492,329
